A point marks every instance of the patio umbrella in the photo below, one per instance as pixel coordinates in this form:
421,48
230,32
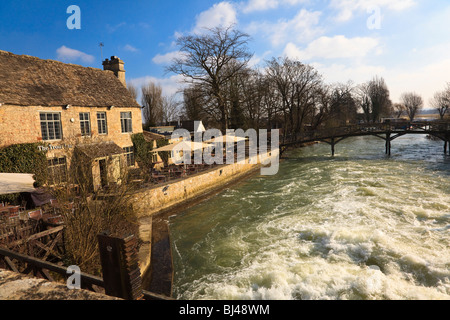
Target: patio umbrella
181,145
16,183
225,139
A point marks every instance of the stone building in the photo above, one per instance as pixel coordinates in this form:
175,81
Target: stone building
69,108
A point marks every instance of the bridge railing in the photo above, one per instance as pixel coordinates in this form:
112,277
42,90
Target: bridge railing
426,126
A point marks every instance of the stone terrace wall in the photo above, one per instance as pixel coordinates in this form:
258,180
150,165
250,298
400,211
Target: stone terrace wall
151,201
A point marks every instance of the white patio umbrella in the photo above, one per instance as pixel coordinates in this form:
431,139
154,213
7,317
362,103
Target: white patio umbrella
183,145
16,182
225,139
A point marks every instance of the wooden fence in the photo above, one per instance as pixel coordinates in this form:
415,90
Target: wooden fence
121,274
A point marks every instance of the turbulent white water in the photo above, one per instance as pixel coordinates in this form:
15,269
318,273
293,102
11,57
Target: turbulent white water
357,226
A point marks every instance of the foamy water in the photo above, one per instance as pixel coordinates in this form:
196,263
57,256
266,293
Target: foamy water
359,226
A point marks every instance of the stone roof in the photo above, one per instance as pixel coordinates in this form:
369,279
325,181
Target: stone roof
151,136
100,150
30,81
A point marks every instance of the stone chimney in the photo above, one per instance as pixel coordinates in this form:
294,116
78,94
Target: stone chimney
116,65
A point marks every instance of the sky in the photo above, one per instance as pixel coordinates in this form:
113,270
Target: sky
404,41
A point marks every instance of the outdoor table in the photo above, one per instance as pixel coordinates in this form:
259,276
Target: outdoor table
178,173
51,219
7,210
4,209
159,177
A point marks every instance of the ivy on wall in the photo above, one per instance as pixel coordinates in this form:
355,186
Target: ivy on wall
163,154
142,150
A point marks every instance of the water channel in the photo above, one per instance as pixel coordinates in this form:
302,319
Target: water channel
361,225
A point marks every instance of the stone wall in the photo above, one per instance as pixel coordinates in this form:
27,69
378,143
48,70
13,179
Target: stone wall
16,286
21,124
151,201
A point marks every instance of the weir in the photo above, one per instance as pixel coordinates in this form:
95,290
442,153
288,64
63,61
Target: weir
324,229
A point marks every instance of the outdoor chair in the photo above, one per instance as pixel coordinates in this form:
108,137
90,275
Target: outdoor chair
35,215
14,210
55,220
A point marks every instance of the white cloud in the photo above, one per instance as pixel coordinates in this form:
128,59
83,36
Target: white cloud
263,5
167,58
130,48
260,5
337,47
221,14
294,2
347,8
425,79
71,55
303,27
358,73
116,27
170,86
257,59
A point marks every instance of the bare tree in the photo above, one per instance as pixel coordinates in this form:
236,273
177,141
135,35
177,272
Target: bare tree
253,90
342,109
413,103
193,103
152,102
133,90
373,99
441,102
206,59
270,102
398,109
170,108
297,86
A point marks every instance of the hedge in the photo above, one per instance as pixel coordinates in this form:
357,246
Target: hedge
25,158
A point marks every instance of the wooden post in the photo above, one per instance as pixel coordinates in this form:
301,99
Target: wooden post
388,143
332,147
121,273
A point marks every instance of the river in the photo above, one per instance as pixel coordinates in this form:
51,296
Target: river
361,225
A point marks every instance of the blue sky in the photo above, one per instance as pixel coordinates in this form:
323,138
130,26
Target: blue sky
405,41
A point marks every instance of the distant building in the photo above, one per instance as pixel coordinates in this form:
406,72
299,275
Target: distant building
66,106
163,130
190,125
